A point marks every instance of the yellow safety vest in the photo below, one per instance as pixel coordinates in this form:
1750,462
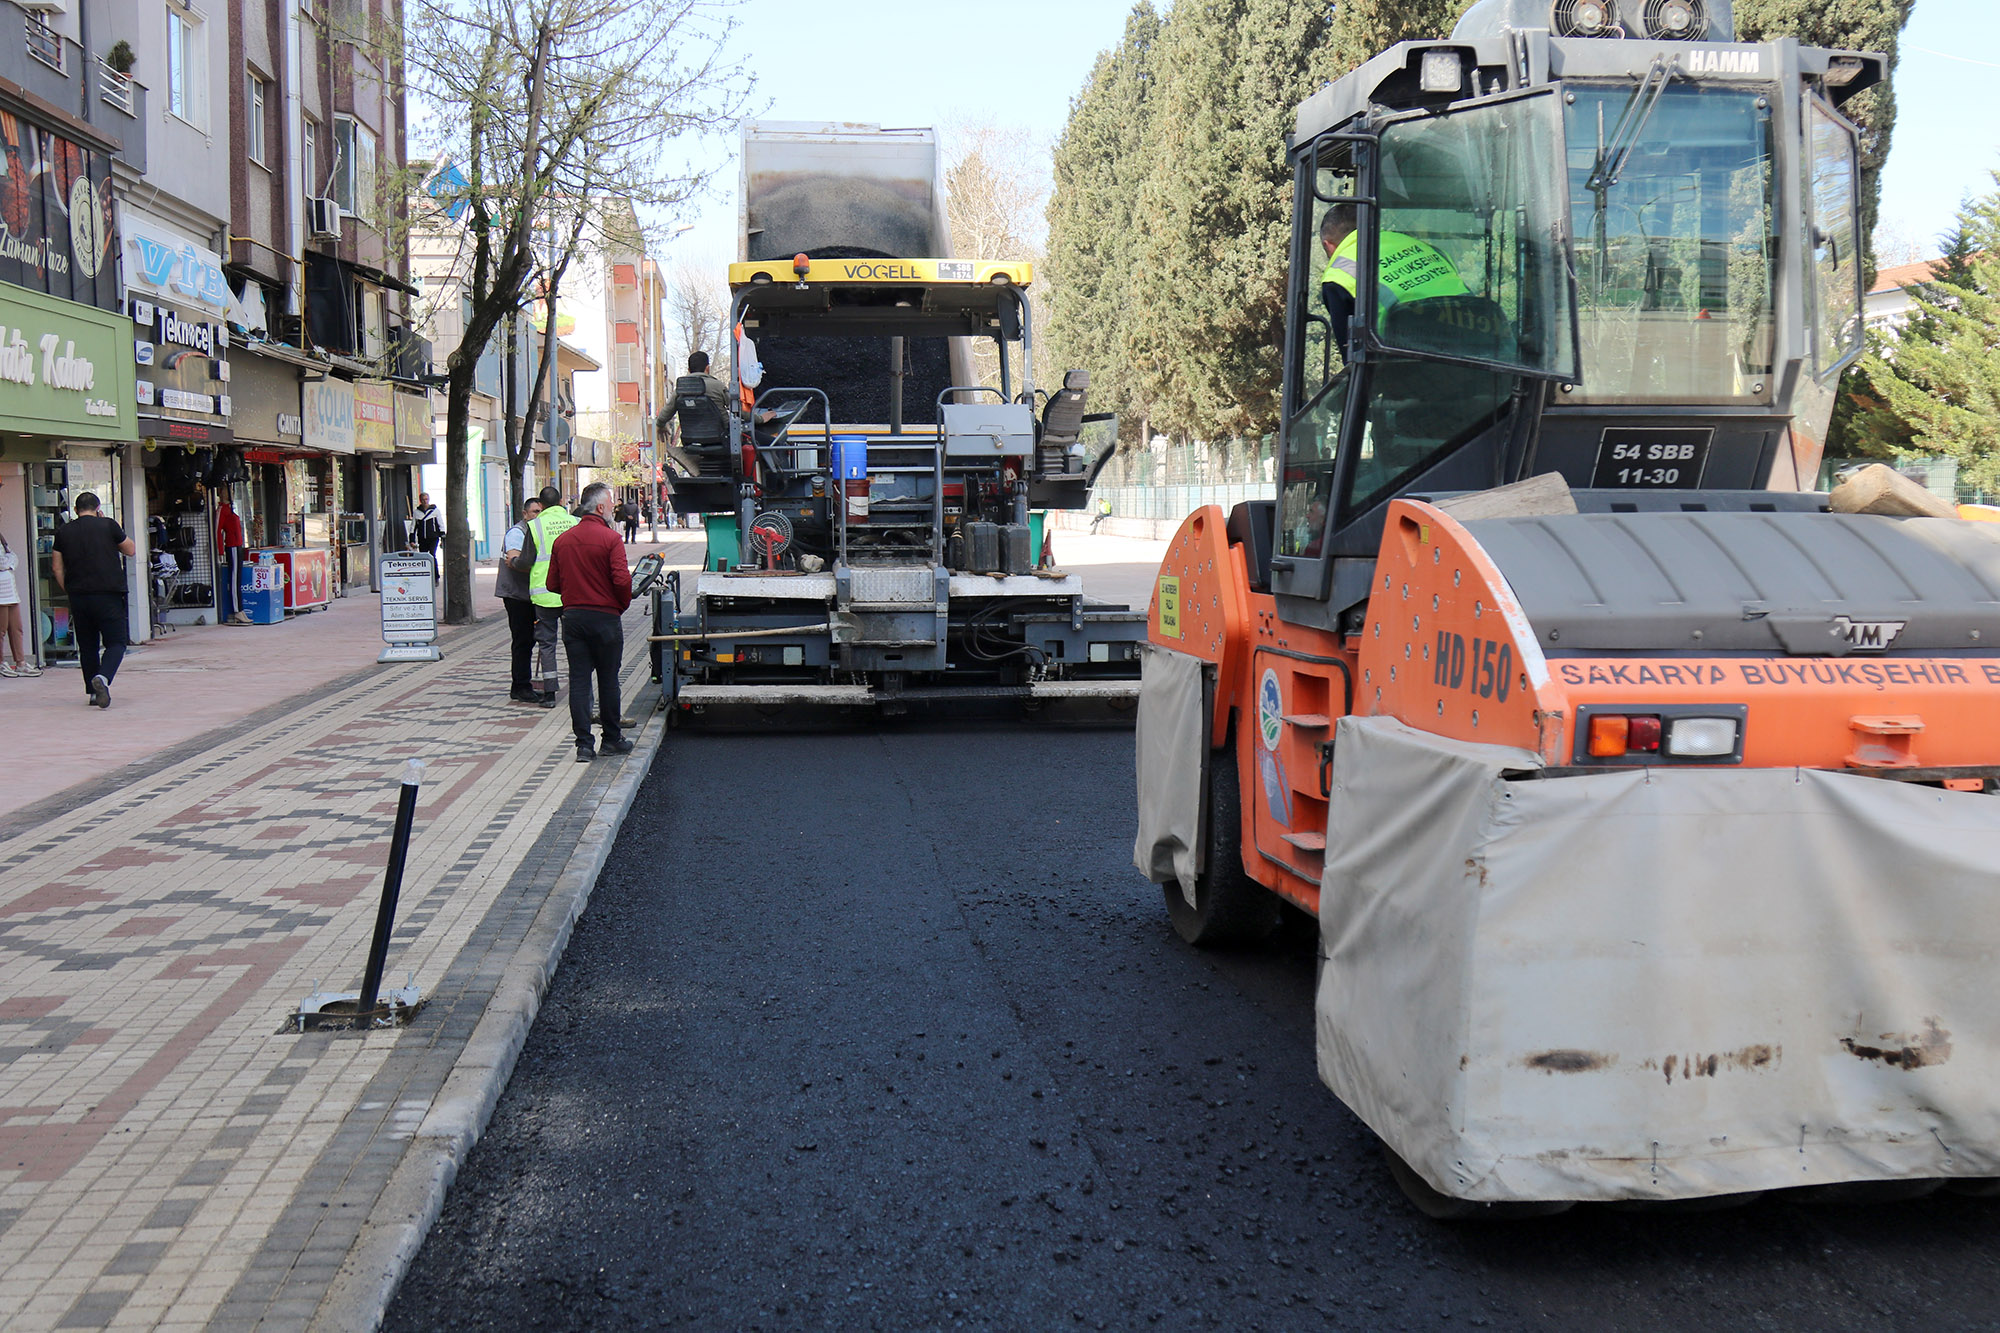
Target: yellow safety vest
1410,270
548,525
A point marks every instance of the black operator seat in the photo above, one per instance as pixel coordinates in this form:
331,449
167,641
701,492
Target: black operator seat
702,422
1062,423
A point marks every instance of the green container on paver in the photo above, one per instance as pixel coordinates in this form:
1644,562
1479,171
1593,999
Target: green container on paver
723,549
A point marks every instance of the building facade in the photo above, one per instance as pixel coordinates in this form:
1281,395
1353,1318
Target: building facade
170,168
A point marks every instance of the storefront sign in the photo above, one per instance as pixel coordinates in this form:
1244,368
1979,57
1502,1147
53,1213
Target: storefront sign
171,329
329,412
290,423
409,609
64,369
179,431
413,421
374,417
161,261
56,223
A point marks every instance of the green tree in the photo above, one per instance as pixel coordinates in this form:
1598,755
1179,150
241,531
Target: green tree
1941,376
1092,215
1363,29
1849,25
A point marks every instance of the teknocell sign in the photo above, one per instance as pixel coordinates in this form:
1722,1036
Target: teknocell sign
56,219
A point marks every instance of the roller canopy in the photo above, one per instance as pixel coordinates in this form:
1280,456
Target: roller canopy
1802,583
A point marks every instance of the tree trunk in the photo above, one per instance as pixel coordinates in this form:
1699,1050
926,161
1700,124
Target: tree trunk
458,534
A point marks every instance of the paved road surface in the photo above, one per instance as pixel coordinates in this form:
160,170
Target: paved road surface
882,1031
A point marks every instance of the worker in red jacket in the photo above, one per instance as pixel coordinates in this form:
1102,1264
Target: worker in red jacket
587,569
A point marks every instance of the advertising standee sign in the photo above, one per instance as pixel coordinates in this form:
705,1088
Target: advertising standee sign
56,220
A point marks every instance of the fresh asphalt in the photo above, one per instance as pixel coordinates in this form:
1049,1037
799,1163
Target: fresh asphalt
884,1031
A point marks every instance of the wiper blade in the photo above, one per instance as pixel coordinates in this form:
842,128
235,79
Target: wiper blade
1632,121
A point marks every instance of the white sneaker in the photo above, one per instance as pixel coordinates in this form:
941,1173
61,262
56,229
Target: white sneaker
7,670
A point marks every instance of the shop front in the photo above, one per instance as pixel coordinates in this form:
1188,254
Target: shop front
66,419
66,396
178,303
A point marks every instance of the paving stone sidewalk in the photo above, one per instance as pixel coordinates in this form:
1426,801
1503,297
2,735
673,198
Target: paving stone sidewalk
171,1156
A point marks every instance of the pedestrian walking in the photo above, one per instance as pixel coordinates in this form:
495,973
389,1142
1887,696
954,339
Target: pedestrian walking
10,617
511,586
89,566
228,563
427,527
589,573
537,540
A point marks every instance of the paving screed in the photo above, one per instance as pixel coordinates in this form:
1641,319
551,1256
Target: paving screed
883,1031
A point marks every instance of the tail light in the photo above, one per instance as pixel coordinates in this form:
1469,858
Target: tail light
1673,732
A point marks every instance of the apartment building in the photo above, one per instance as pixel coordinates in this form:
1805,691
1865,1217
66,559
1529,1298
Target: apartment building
192,205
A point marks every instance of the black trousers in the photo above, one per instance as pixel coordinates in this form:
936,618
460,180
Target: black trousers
98,621
521,630
595,641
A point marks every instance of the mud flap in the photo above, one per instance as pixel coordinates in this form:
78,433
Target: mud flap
1171,741
1657,984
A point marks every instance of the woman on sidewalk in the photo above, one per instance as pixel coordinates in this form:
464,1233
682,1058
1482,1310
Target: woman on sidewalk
10,618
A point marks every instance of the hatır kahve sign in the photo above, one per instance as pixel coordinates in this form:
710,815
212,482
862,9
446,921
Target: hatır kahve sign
56,223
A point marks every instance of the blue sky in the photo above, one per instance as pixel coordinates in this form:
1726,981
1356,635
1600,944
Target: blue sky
899,62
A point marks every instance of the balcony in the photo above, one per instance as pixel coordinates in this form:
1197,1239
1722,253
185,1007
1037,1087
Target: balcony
54,68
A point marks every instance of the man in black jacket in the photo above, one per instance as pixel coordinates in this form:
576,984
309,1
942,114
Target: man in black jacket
89,566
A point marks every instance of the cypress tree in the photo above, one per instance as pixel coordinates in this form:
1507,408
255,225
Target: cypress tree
1851,25
1099,170
1941,376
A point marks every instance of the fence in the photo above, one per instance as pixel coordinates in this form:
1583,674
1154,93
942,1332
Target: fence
1170,481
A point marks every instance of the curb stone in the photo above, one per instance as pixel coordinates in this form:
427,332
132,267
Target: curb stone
411,1202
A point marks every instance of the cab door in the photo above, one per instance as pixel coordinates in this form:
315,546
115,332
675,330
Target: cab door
1424,391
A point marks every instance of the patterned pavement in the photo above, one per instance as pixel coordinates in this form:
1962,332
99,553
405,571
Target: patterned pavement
171,1156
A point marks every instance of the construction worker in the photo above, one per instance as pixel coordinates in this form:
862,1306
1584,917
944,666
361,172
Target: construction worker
1407,269
715,389
533,560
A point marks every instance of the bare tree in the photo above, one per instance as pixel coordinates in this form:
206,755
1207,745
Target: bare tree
543,105
697,314
997,182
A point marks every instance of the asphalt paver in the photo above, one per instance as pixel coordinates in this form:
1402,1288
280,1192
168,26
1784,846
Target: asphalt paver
883,1031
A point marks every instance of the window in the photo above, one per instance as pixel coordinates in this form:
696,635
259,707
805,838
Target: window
1676,253
626,369
373,343
253,102
354,167
309,156
43,42
1833,297
186,67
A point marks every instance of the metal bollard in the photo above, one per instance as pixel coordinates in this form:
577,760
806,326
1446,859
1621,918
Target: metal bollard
392,886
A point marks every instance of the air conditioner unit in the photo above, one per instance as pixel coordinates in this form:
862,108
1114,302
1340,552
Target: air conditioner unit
322,219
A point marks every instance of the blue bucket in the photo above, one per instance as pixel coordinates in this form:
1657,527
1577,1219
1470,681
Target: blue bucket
850,457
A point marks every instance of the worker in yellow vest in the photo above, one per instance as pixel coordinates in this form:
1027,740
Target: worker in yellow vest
533,560
1406,269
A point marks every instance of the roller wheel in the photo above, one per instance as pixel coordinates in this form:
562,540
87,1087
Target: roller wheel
1229,907
1444,1208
